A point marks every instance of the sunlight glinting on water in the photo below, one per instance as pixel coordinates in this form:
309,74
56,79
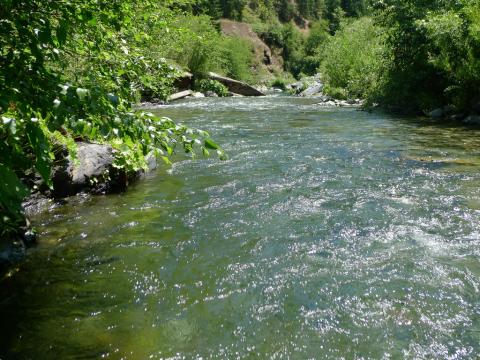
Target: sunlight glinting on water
329,233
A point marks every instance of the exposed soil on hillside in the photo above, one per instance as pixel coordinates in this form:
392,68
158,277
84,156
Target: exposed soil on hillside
264,56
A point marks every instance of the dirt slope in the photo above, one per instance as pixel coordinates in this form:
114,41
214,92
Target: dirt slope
263,54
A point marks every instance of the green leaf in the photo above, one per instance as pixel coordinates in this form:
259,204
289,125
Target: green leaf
166,160
41,148
82,93
209,144
92,21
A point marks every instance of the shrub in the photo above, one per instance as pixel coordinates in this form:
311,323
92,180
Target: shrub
194,43
237,58
279,84
351,58
205,85
433,55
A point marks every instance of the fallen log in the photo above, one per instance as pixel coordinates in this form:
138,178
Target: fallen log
180,95
235,86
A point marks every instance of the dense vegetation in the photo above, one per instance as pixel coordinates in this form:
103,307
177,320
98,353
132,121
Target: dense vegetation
72,70
408,55
432,54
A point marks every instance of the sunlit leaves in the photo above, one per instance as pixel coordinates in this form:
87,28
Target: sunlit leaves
81,93
209,144
70,71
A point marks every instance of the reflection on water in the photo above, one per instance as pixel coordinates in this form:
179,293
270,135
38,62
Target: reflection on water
329,233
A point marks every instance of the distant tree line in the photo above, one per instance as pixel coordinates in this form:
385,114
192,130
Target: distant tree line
285,10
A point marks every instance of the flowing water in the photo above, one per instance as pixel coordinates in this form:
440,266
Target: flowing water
328,234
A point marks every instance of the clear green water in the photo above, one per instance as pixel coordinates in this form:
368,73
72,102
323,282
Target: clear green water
330,233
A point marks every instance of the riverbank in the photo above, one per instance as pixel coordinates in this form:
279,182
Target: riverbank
89,171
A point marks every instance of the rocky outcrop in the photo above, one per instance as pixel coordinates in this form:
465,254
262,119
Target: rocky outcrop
313,90
92,170
307,87
235,86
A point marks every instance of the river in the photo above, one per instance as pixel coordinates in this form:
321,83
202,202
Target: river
329,233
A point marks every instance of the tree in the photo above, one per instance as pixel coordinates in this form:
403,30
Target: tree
419,44
286,10
72,70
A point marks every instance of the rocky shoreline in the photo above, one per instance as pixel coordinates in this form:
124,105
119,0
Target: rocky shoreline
92,172
309,87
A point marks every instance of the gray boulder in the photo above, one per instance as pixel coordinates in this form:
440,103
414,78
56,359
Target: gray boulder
231,94
262,88
442,112
93,161
180,95
436,114
472,120
312,90
92,168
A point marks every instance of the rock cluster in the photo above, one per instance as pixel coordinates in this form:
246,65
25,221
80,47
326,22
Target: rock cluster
450,113
307,87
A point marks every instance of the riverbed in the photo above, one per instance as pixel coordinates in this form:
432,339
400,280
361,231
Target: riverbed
329,233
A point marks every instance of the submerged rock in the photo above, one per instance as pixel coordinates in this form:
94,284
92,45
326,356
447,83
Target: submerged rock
36,203
11,251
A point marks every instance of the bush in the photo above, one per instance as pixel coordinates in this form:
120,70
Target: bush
198,45
237,58
350,60
279,84
194,43
433,55
206,85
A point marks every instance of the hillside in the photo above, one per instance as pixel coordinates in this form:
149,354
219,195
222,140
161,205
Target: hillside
265,60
